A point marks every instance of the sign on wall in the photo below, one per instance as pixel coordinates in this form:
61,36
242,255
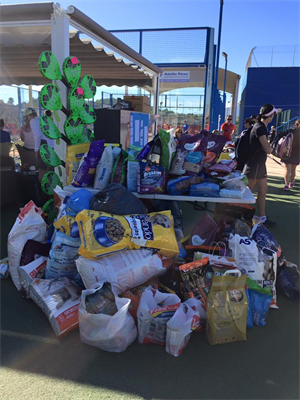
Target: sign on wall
175,76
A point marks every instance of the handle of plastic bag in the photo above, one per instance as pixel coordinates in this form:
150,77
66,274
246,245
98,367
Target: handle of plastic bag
218,244
232,272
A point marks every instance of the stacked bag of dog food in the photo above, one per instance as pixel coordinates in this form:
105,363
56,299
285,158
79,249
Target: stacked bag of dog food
192,167
113,269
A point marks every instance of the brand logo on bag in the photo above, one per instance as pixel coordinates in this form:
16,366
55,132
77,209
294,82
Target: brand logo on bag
245,241
140,227
210,144
191,146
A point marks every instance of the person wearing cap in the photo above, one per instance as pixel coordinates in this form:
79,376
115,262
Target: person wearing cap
228,128
256,166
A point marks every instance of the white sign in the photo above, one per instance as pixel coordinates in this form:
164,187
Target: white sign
175,76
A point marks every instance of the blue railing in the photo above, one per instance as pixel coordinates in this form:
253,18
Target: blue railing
286,125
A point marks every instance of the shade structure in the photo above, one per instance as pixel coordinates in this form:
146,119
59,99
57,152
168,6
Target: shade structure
25,32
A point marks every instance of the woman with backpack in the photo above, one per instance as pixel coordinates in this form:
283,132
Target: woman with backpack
256,164
293,161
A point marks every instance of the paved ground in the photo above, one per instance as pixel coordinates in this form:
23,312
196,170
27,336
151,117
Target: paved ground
36,365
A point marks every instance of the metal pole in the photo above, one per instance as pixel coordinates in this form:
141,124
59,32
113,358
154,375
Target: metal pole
224,88
219,43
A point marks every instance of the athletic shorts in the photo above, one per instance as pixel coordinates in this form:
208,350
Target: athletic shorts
257,169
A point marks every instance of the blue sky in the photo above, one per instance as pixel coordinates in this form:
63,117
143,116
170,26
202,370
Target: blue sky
246,23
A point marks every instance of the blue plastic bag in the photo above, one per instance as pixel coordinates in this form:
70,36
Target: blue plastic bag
78,201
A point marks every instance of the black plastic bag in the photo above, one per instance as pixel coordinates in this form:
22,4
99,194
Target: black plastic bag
116,199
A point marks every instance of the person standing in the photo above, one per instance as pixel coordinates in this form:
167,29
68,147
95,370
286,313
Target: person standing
242,144
228,128
256,166
4,135
293,161
34,122
185,128
273,133
26,134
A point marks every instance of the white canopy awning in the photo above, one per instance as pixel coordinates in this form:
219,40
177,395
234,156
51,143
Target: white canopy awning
25,32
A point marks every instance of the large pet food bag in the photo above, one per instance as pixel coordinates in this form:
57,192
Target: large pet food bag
73,158
124,269
227,309
59,299
103,233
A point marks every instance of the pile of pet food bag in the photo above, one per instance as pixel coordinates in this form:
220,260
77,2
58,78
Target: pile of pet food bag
196,165
120,271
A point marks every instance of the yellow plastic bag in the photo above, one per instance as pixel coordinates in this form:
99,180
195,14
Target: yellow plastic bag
73,158
103,233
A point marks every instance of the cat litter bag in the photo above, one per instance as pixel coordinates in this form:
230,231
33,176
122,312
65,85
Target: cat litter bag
104,169
108,332
260,300
31,227
124,270
59,299
259,264
180,328
62,256
86,171
103,233
35,269
288,280
189,156
155,310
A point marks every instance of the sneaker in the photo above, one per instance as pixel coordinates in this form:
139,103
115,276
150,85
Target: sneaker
269,223
286,187
291,184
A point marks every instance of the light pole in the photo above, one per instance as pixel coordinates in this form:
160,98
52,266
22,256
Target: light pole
224,88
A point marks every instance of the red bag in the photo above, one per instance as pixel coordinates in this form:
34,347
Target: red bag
204,232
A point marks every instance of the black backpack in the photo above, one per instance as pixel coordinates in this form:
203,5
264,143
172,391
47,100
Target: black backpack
242,147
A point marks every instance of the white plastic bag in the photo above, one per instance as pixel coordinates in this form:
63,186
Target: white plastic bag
155,310
261,266
180,328
104,169
59,299
33,227
111,333
124,269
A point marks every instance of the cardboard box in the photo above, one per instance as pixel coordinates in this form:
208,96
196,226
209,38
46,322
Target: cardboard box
139,103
